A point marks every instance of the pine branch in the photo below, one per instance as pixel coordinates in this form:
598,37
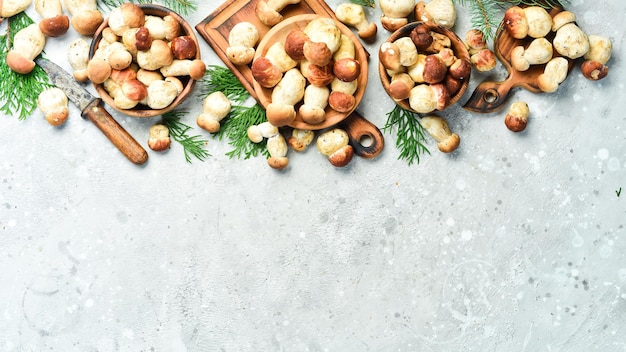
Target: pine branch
192,145
411,136
235,125
182,7
18,92
365,3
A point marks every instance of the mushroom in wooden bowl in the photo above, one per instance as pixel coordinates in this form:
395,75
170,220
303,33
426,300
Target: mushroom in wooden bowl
424,67
144,60
310,72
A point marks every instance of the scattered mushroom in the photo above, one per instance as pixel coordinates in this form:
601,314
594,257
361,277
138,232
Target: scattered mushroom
85,16
395,13
438,128
13,7
354,16
277,148
335,145
268,11
256,133
78,57
159,138
300,139
216,106
53,103
554,73
600,50
517,118
54,23
533,21
242,39
441,12
481,57
27,45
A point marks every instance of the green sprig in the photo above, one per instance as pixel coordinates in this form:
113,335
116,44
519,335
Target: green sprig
192,145
235,125
18,92
183,7
411,136
366,3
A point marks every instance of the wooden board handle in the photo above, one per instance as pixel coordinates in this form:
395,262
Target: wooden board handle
365,138
489,96
126,144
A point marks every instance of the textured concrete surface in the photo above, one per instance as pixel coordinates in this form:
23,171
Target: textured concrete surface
516,242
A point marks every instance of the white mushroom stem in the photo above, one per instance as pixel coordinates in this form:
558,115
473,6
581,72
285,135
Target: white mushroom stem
27,45
53,103
437,127
268,11
78,57
353,15
242,39
216,107
13,7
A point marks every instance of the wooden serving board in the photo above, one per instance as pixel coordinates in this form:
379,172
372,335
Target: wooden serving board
490,96
215,28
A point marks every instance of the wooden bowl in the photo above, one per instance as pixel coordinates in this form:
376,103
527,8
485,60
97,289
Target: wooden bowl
278,33
457,45
142,110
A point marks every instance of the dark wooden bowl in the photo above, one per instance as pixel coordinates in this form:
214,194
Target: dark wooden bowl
458,46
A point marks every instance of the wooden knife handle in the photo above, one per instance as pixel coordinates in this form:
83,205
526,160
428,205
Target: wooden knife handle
126,144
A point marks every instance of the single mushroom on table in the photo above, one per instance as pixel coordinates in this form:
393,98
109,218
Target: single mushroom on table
159,139
353,15
215,108
334,144
395,13
600,50
438,128
517,118
441,12
53,23
53,103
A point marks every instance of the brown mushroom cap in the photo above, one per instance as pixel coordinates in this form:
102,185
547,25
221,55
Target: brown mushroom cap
341,102
87,22
317,53
265,73
347,69
342,157
183,47
435,69
294,44
320,75
54,26
19,63
280,115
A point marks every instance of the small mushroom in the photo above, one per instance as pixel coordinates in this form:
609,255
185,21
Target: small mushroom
162,28
53,103
517,118
324,40
54,23
256,133
184,47
195,69
159,138
124,17
157,56
268,11
341,96
312,110
11,8
268,70
484,60
85,16
285,95
78,57
334,144
438,128
242,39
395,13
277,148
300,139
570,41
408,51
216,106
600,50
440,12
28,43
161,94
354,16
538,52
554,73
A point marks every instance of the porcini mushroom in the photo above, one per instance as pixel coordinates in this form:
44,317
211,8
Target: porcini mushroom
78,57
440,12
438,128
600,50
395,13
216,106
554,73
268,11
27,45
85,16
242,39
517,118
53,103
538,52
334,144
54,23
300,139
354,16
285,95
312,110
159,139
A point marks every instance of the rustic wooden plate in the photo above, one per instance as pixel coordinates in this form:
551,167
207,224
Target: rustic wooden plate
459,48
278,34
490,96
366,139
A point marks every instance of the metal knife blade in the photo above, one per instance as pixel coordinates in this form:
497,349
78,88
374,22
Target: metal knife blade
92,109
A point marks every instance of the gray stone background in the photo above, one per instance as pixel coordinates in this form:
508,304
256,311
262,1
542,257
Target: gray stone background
513,243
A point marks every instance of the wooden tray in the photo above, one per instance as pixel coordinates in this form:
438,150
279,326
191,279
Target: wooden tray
366,139
490,96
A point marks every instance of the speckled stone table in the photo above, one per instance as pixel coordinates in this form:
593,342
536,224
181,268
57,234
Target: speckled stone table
515,242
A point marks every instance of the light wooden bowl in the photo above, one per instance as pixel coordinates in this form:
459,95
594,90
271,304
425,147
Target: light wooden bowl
278,33
458,46
188,83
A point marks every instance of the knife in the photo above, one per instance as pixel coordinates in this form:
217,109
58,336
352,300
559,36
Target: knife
92,108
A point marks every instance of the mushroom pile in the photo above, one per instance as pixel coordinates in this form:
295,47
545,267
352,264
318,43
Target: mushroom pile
142,59
424,68
570,42
314,68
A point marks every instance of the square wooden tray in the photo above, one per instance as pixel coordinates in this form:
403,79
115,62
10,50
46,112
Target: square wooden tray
365,137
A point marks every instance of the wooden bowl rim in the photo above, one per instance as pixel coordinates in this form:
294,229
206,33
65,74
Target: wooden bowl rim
280,31
460,51
153,10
